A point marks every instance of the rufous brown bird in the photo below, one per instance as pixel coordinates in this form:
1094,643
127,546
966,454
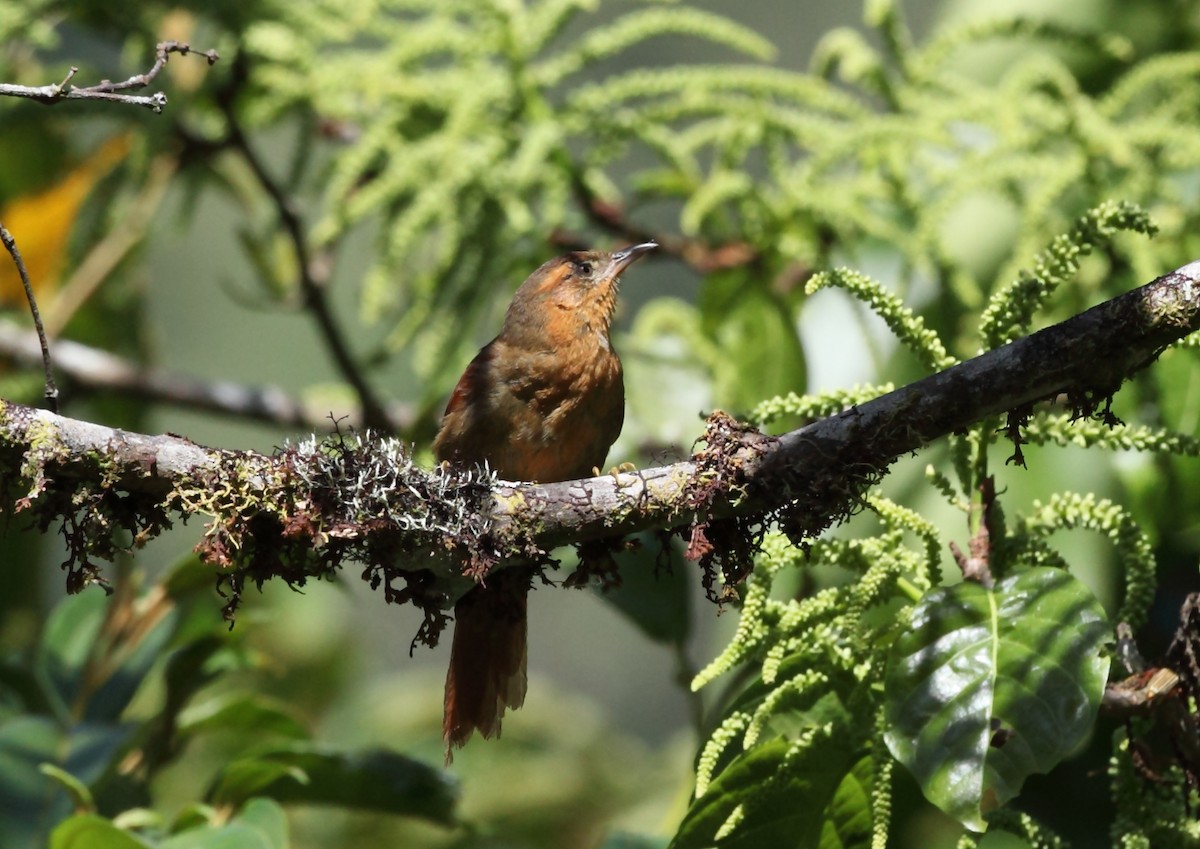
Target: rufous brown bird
543,402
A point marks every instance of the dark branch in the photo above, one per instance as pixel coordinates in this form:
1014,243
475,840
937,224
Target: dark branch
311,278
696,253
94,369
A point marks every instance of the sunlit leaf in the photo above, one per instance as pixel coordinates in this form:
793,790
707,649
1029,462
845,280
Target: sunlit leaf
991,685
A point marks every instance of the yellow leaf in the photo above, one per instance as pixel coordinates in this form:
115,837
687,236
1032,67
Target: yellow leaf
41,223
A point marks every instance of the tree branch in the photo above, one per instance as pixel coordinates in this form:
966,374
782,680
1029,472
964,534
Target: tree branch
106,90
304,510
95,369
311,277
51,390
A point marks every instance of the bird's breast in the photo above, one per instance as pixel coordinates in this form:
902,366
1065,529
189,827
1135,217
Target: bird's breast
566,408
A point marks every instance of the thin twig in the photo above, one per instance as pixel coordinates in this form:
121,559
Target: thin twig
105,89
697,253
311,283
51,390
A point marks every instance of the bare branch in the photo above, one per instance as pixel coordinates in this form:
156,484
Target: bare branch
696,253
105,89
95,369
51,391
311,277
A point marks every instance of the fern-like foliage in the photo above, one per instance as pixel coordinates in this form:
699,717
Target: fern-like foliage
474,139
835,643
473,130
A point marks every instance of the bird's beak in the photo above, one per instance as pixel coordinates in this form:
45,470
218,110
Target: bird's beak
625,257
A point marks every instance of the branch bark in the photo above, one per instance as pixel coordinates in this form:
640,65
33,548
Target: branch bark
806,478
105,89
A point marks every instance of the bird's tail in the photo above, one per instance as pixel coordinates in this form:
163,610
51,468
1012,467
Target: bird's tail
487,659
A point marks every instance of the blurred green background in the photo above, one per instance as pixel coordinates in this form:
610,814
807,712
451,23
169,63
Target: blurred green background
605,744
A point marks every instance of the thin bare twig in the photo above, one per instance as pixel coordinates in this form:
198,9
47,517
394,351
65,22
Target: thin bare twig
107,90
697,253
51,391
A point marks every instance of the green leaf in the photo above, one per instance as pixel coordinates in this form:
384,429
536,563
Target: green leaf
34,798
372,780
242,712
774,795
67,641
88,831
30,803
991,685
848,821
261,824
81,796
268,819
65,657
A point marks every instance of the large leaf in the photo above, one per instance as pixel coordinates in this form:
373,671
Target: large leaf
654,597
991,685
67,658
70,636
755,330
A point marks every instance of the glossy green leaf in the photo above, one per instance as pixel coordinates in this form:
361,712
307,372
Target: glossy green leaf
770,797
371,779
88,831
991,685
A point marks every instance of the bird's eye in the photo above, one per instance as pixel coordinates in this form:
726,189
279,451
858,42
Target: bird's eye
584,268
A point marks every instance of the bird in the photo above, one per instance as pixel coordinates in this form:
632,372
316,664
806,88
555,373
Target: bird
542,402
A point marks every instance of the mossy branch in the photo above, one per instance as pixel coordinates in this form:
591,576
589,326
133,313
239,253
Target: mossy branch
305,510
